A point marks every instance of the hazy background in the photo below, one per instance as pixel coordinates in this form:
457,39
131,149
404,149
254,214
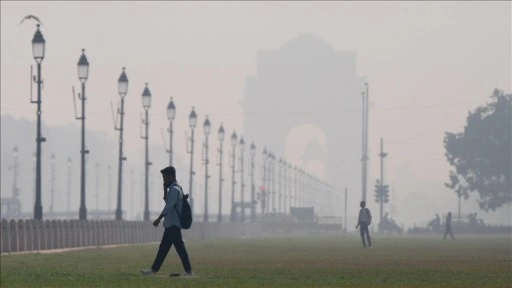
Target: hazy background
427,63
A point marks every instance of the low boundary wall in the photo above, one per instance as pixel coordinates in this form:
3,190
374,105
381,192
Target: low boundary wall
36,235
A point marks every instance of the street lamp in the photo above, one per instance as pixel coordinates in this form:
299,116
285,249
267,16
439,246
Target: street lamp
38,49
290,190
83,75
192,121
273,179
242,184
220,134
146,103
171,113
122,85
206,129
264,180
280,184
253,199
234,139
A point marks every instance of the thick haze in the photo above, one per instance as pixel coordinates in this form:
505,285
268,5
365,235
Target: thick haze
427,64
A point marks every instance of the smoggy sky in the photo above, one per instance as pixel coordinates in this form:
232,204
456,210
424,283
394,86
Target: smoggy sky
427,63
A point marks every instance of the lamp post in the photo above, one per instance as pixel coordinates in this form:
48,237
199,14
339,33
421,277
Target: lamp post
264,180
38,49
206,129
146,103
280,184
122,86
241,145
171,113
220,134
83,74
273,179
290,190
253,199
285,194
192,121
234,139
296,192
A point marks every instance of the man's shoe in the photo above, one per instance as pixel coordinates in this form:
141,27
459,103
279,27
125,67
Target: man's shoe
188,274
147,272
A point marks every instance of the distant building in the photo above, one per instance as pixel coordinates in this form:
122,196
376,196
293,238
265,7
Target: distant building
307,81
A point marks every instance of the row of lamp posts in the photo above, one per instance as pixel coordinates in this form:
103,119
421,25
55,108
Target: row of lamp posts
269,160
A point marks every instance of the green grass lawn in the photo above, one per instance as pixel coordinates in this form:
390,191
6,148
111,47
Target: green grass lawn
281,262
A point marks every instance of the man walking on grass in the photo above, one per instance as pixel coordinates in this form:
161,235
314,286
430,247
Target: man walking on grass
173,197
448,228
364,220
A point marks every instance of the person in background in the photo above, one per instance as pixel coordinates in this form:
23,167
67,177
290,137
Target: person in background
448,226
364,220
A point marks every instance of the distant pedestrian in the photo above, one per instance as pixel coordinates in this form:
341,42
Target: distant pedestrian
448,226
173,197
364,220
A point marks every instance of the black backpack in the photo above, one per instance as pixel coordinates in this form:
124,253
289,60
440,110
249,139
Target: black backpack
186,212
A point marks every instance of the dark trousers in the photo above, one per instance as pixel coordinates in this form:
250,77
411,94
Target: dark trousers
363,228
172,235
448,230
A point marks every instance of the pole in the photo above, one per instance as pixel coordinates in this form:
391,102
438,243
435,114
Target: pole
233,209
345,218
381,194
38,207
460,195
285,196
219,216
273,181
279,186
83,210
253,200
264,190
205,218
170,143
146,170
191,171
242,185
119,211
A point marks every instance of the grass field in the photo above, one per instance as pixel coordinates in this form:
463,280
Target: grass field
279,262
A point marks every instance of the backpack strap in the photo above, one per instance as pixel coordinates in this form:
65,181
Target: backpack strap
181,194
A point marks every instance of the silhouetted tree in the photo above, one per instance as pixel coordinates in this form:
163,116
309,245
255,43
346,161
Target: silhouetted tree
482,153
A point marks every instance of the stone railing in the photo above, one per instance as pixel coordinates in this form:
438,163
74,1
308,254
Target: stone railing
35,235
